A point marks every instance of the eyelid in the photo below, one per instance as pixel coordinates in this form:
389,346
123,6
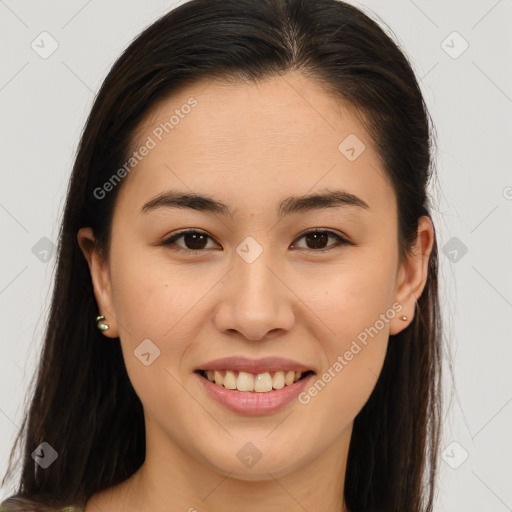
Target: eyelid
341,240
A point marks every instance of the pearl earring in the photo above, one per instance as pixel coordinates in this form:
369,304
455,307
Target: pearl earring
100,325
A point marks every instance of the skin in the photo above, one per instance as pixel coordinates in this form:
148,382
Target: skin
250,146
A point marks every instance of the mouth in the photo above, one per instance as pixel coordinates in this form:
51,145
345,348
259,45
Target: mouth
253,382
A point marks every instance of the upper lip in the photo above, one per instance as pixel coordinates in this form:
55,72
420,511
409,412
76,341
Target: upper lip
264,364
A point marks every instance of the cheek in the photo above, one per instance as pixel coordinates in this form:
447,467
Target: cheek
164,304
356,305
353,355
150,296
152,317
355,295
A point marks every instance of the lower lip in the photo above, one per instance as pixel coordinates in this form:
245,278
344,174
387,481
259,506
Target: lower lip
254,403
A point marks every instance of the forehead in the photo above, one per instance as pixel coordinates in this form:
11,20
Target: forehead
282,112
283,134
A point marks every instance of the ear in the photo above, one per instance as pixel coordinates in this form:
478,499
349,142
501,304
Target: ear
413,275
100,275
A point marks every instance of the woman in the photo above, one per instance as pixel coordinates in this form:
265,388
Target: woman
245,312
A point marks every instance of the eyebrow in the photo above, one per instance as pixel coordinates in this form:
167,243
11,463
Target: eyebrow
292,204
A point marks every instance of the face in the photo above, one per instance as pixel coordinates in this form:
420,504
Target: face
252,280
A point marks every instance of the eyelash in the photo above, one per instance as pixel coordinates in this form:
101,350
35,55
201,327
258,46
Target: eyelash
171,240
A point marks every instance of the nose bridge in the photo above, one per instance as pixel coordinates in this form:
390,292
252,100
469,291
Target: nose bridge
254,283
255,299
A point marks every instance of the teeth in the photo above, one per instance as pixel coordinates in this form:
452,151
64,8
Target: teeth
278,380
229,380
259,383
245,381
263,382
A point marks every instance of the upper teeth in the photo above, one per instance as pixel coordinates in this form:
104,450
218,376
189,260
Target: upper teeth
261,382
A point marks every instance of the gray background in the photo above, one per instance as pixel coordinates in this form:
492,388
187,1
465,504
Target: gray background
44,104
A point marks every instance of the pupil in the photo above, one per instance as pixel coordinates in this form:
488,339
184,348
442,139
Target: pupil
323,237
197,238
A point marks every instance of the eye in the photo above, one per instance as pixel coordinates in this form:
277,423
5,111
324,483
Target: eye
195,240
317,238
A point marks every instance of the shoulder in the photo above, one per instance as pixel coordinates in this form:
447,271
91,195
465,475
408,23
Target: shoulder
16,504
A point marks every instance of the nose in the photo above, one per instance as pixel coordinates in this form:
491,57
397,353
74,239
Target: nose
256,301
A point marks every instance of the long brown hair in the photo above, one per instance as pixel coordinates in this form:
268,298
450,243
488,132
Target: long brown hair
83,403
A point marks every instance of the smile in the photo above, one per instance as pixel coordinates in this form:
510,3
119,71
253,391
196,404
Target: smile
257,383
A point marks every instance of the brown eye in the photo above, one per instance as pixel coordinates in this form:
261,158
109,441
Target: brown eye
194,241
316,240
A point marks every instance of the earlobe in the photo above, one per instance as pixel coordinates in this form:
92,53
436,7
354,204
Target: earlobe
100,277
413,275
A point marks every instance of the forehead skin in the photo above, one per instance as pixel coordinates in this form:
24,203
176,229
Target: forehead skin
251,144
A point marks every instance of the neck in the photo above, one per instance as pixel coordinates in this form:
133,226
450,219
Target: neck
175,480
